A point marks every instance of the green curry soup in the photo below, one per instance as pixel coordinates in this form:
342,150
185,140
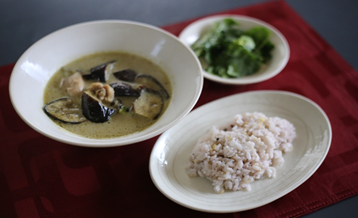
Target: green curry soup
124,118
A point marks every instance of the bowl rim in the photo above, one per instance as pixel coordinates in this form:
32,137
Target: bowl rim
116,141
209,20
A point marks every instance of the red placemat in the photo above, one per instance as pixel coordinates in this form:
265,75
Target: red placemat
40,177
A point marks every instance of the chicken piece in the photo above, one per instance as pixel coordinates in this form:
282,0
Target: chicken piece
103,92
73,84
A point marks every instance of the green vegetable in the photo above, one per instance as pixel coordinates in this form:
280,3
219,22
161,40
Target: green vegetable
231,52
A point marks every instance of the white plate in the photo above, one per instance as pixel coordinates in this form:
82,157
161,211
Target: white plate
280,54
170,154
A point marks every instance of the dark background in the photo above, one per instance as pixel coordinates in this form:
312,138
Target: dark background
24,22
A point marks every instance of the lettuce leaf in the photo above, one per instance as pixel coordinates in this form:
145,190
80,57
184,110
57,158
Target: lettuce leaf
231,52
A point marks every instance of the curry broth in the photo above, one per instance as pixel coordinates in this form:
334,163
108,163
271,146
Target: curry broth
119,124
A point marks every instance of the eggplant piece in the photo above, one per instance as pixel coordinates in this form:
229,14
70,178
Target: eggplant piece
64,110
149,104
152,83
100,73
127,75
124,89
94,110
145,80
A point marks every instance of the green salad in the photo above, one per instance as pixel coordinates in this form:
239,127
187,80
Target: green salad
231,52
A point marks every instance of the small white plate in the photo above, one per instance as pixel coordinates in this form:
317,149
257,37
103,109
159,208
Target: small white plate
170,154
280,54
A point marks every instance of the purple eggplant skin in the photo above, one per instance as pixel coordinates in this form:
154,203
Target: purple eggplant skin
99,73
127,75
87,76
64,110
124,89
148,81
149,104
152,83
94,110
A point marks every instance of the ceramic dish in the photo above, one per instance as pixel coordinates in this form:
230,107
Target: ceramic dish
36,66
280,54
171,152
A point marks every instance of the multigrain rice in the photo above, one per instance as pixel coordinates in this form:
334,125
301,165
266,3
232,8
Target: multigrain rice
247,149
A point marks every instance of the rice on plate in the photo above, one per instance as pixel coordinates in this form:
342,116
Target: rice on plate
248,148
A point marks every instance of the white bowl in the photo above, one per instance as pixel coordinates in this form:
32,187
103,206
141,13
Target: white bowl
280,54
36,66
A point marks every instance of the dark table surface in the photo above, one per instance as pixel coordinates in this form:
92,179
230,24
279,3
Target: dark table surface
24,22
